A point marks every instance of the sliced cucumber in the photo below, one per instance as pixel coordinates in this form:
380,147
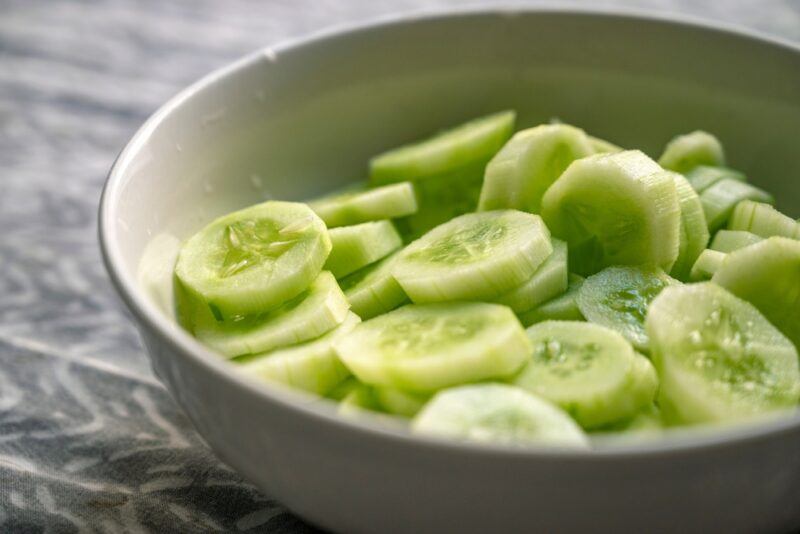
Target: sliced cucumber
312,366
355,247
618,298
497,413
155,272
685,152
717,356
730,240
549,281
359,206
720,199
615,209
563,308
706,265
588,370
373,290
763,220
319,309
399,402
702,177
693,230
343,389
648,421
767,275
477,256
424,348
601,146
528,164
447,169
253,260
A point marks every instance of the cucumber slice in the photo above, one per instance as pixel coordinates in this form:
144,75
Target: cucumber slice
399,402
601,146
321,308
703,176
767,275
720,199
763,220
563,308
424,348
648,421
312,366
730,240
693,230
618,298
717,356
355,207
155,272
588,370
355,247
528,164
343,389
706,265
359,399
373,290
685,152
253,260
615,209
477,256
497,413
549,281
447,170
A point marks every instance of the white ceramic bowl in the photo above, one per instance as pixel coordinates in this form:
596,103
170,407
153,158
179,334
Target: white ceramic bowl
304,117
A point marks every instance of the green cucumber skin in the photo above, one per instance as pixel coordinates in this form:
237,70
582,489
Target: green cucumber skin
358,204
702,177
720,199
763,220
562,308
355,247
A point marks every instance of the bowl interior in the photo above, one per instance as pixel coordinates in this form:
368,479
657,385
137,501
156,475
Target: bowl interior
297,120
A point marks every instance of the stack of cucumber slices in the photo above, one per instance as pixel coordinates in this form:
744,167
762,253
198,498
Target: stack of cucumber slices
538,287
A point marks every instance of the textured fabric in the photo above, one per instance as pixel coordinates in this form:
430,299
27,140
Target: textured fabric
89,440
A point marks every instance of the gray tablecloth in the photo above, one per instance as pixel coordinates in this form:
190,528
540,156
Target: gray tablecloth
89,440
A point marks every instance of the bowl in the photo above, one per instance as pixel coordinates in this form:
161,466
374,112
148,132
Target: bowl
304,117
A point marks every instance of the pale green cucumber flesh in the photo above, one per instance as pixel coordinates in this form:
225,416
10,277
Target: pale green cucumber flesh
706,265
399,402
601,146
424,348
618,298
355,247
730,240
587,369
359,206
373,290
549,281
717,357
685,152
720,199
622,206
252,260
694,233
563,308
477,256
319,309
497,413
703,176
767,274
763,220
518,175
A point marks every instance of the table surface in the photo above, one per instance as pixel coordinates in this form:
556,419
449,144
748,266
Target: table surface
89,439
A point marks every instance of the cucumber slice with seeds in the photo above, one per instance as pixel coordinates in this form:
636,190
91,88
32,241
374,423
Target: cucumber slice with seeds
720,199
763,220
601,146
718,358
703,176
312,366
549,281
706,265
321,308
588,370
497,413
359,206
617,209
767,275
562,308
730,240
693,229
618,298
685,152
528,164
373,290
477,256
424,348
253,260
355,247
447,169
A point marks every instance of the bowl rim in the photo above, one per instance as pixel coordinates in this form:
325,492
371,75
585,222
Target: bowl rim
146,312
